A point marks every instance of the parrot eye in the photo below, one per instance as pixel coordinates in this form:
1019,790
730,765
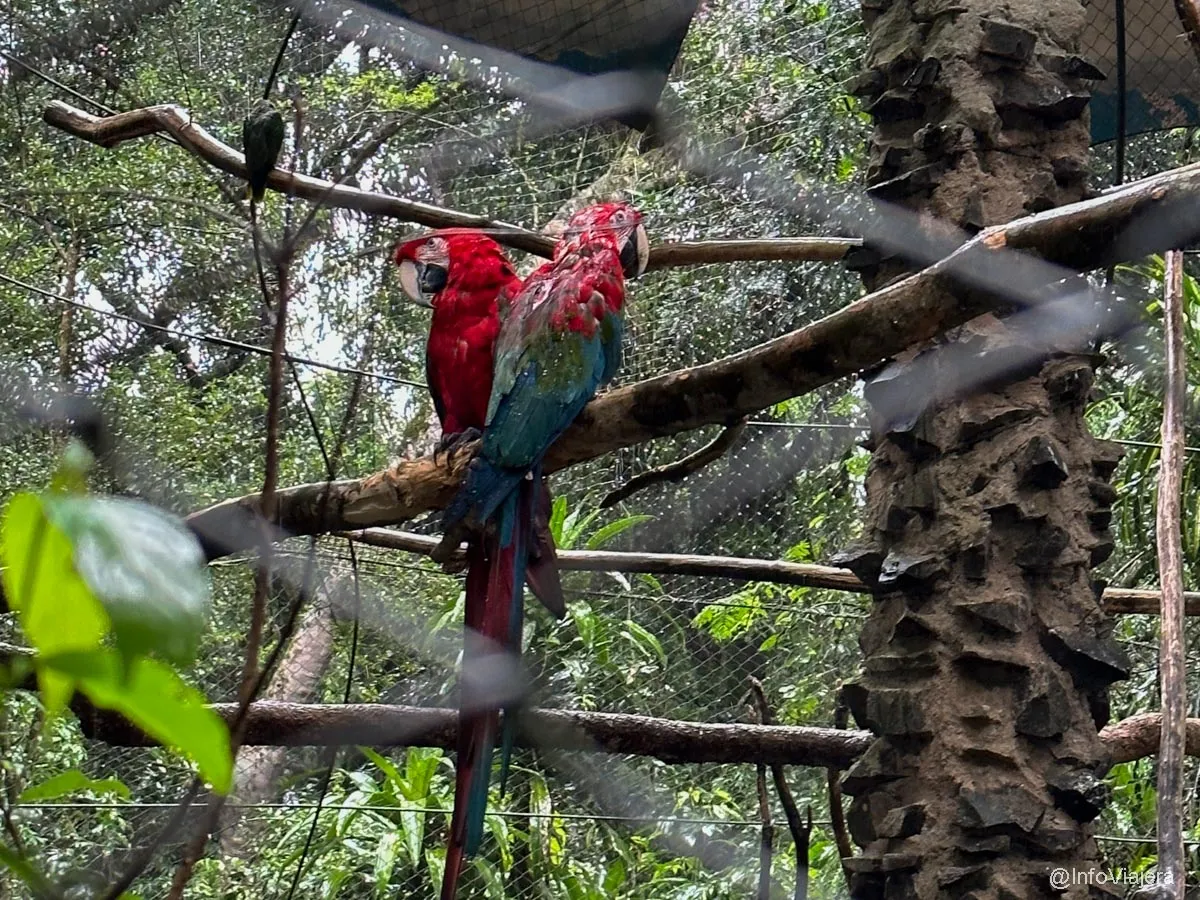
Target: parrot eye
635,253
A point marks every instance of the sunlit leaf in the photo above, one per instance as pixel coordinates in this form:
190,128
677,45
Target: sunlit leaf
385,861
613,529
57,611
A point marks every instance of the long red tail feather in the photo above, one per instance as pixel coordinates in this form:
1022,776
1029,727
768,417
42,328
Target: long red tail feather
488,601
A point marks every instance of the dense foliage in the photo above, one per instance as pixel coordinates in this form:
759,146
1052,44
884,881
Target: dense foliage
146,232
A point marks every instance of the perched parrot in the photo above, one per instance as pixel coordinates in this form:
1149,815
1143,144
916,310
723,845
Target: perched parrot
262,139
467,278
559,340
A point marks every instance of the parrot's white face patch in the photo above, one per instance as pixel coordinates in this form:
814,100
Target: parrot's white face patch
643,248
410,280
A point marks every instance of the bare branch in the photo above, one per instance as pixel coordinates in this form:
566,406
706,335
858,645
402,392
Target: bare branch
772,570
1137,737
1120,225
272,723
108,131
275,724
800,830
1117,601
680,468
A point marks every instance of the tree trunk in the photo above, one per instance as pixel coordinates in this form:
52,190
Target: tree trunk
987,654
296,678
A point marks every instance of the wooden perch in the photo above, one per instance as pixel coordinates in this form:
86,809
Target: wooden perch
1117,601
277,724
1138,737
774,570
109,131
680,468
1120,225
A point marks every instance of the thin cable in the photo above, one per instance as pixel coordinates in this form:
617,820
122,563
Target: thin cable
291,29
53,82
208,338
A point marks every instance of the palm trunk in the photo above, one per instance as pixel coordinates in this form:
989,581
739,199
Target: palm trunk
987,655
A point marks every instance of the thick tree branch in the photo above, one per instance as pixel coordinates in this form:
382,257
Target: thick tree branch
108,131
276,724
1138,736
1117,601
1124,224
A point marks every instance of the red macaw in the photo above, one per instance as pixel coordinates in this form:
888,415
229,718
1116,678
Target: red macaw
560,339
465,277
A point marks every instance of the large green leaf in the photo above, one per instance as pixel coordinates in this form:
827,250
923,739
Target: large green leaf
58,613
146,569
154,698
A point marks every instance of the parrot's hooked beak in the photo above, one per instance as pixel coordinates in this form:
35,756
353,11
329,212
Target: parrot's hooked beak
420,279
635,253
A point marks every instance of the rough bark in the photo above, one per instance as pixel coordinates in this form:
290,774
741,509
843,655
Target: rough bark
987,653
277,724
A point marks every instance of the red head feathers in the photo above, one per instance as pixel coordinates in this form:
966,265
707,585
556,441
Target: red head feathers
465,260
616,223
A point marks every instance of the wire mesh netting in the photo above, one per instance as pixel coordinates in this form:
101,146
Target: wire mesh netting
1138,47
187,412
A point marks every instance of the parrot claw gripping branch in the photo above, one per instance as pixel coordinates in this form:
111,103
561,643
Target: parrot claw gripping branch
515,363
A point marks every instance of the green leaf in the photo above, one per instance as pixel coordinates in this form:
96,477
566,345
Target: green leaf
612,529
649,644
386,767
412,825
558,515
154,698
615,877
146,569
385,861
70,782
58,613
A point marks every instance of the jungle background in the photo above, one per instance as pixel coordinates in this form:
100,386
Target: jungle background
148,232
